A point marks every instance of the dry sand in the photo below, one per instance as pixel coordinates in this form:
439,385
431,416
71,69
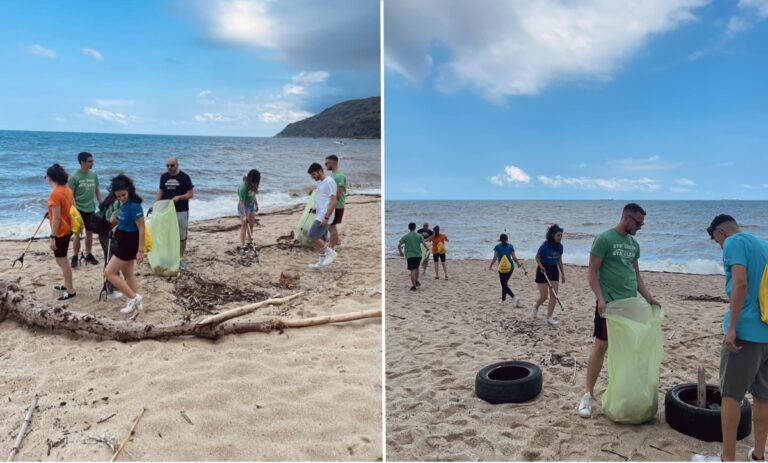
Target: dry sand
307,394
451,329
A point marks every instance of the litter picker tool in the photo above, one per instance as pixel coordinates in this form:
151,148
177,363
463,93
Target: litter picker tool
105,288
553,290
21,259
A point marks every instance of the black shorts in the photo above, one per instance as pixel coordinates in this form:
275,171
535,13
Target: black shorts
338,215
601,326
439,256
413,263
62,246
87,217
553,273
127,245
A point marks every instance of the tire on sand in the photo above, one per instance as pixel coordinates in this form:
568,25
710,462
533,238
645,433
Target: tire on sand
509,382
701,423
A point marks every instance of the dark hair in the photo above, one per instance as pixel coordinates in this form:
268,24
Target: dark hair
412,226
82,157
717,221
553,230
314,168
123,182
436,229
57,174
503,238
333,157
253,178
633,207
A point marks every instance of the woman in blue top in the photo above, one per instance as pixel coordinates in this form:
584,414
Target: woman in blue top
129,238
502,250
247,206
549,260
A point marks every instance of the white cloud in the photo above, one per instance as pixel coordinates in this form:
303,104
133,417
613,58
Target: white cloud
754,187
60,119
281,112
512,174
204,94
304,79
346,36
595,183
119,118
519,47
109,103
210,117
40,50
93,53
685,182
737,25
761,6
650,163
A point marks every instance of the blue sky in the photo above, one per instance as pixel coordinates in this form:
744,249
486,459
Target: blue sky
662,99
197,67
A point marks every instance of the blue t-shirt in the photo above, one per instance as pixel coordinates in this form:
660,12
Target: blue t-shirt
505,250
550,253
127,216
751,252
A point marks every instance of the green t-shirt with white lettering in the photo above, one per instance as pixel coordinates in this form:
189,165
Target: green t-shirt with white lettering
341,181
83,186
617,273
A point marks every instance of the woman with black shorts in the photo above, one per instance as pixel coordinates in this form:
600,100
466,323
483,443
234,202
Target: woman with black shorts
129,241
60,202
549,260
438,251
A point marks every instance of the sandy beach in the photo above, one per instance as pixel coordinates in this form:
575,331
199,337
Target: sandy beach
304,394
439,337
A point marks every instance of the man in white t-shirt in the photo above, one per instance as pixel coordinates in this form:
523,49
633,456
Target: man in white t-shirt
325,206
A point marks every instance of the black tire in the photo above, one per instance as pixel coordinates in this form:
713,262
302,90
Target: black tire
701,423
509,382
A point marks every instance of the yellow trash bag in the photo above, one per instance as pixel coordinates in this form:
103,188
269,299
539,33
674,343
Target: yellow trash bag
635,348
762,296
147,239
76,220
301,235
505,266
441,247
164,228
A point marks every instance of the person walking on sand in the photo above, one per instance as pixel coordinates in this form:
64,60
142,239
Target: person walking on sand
332,164
744,353
412,243
613,274
438,251
84,184
325,205
109,209
129,238
176,186
504,254
549,262
247,205
425,233
59,203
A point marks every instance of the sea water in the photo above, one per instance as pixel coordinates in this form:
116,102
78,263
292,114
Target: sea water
216,165
673,239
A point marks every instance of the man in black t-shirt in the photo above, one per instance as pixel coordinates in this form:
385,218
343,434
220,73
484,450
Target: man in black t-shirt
425,233
177,186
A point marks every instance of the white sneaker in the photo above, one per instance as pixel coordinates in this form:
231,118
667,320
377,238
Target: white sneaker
534,312
319,264
698,457
515,301
115,295
552,322
132,305
585,406
330,256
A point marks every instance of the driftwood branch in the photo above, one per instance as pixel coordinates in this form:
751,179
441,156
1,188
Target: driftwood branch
128,436
22,306
238,311
23,430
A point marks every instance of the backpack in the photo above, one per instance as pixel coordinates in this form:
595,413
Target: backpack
441,247
505,266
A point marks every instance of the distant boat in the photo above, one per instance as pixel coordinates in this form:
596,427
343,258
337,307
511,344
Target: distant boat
340,142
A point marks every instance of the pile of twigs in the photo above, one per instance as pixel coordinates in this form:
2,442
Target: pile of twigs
200,295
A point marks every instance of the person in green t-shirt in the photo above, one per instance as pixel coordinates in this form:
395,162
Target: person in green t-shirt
85,186
414,246
247,206
613,274
332,164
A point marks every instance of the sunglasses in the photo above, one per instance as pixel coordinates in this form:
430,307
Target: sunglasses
638,223
170,165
